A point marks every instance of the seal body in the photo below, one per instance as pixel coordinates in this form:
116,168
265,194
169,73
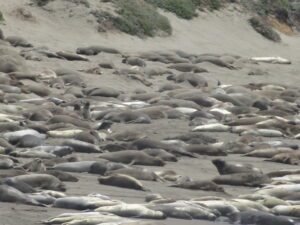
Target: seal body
121,180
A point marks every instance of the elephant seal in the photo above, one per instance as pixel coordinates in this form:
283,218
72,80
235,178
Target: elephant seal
103,91
10,127
91,137
281,173
243,179
268,152
134,61
71,56
260,218
6,162
10,194
36,165
59,151
224,167
211,150
121,180
193,79
160,153
194,138
29,141
128,116
151,143
16,136
292,158
68,119
81,146
82,202
132,210
199,185
186,67
214,60
132,157
98,167
62,176
287,210
196,211
44,181
127,135
18,42
137,173
96,49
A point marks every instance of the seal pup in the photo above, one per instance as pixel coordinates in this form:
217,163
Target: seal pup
121,180
224,167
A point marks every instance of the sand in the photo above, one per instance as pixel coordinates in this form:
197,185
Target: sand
221,32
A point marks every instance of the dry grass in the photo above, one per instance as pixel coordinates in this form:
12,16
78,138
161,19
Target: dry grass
280,26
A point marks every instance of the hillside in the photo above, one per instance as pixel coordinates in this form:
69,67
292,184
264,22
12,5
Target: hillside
82,89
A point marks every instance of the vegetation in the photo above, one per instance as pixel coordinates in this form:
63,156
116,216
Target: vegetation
210,4
185,9
264,29
137,17
1,17
41,2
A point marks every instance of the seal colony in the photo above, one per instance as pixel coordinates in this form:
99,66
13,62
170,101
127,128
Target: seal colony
59,128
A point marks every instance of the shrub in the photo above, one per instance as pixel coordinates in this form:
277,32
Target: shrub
136,17
41,2
264,29
182,8
266,7
1,17
210,4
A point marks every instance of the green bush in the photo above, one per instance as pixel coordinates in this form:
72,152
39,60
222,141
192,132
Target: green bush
182,8
266,7
1,17
210,4
264,29
136,17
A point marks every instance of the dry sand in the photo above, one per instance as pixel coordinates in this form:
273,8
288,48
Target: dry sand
222,32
